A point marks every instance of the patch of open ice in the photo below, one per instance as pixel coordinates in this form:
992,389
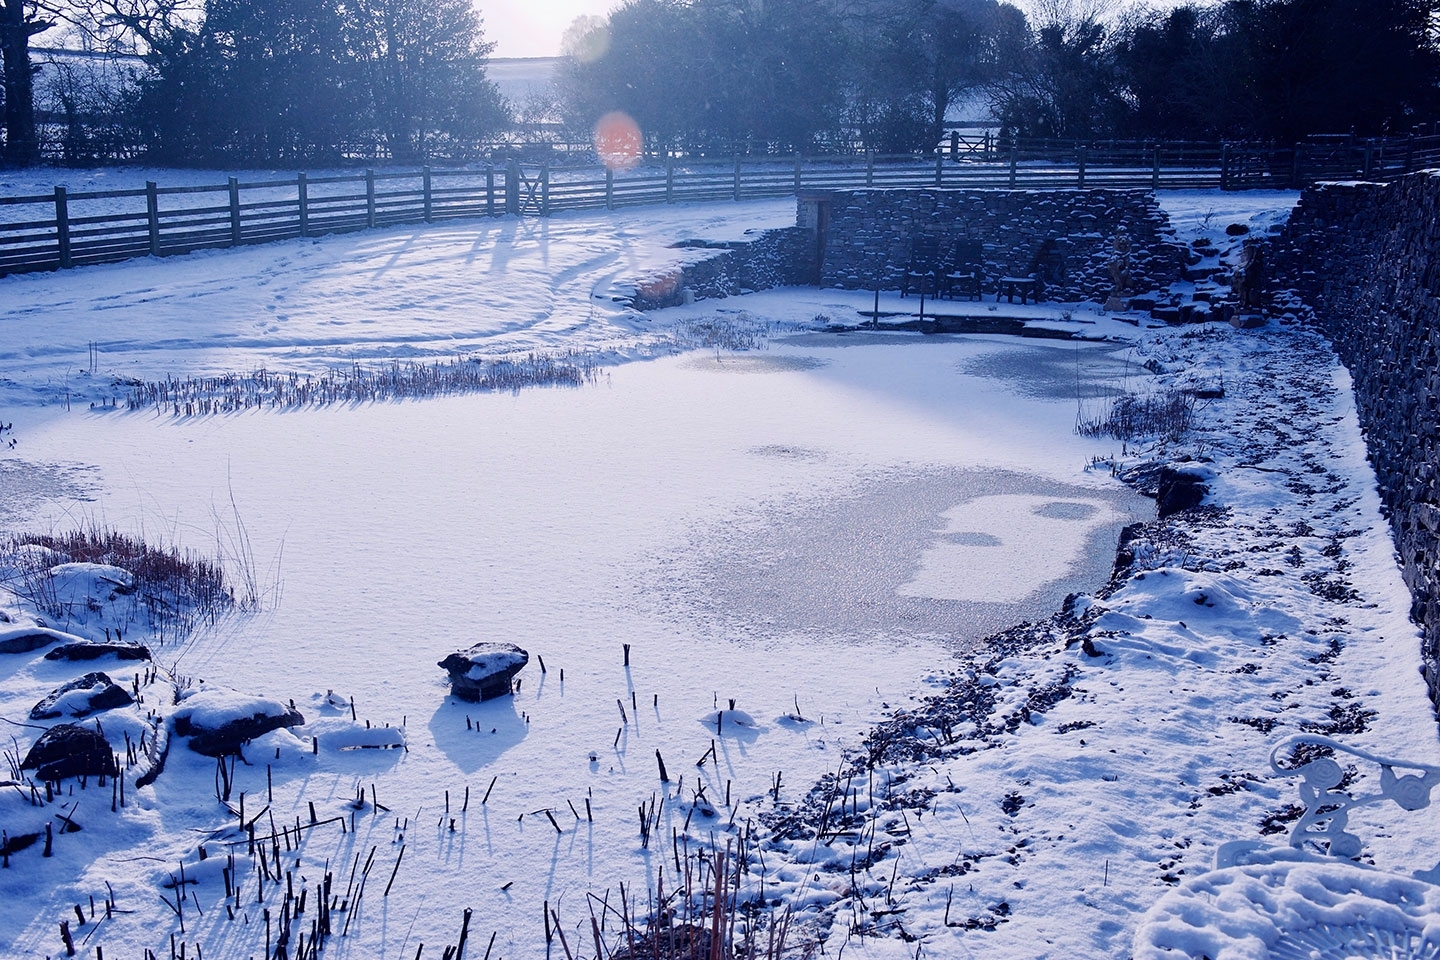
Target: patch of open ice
1003,548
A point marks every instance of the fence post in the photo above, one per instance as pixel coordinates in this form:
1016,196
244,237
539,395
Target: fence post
152,214
1012,166
62,227
869,168
609,189
512,187
669,179
954,144
490,189
1080,167
1295,168
302,193
545,189
1369,159
425,180
1224,166
1409,152
370,198
737,177
1155,169
234,185
797,173
939,168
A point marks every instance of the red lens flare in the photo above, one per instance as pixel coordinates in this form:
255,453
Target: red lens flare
617,141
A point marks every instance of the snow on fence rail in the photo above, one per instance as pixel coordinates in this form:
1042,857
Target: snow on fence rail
63,229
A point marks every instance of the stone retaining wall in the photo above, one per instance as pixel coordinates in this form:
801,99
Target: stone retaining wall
865,237
775,258
1365,257
871,233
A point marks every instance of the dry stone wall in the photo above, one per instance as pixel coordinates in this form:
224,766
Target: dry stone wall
774,258
866,237
871,234
1365,257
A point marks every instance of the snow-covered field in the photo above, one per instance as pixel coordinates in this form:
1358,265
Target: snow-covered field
821,530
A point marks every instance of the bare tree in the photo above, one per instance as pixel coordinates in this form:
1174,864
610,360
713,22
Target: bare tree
935,52
1059,77
19,21
118,29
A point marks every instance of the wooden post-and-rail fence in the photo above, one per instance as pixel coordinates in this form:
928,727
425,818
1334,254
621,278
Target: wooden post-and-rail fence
65,229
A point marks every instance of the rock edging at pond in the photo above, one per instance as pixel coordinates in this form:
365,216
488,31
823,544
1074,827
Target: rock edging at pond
219,722
81,697
91,650
70,750
25,638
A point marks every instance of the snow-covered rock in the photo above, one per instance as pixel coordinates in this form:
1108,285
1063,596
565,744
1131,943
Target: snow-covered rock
89,694
330,702
22,638
70,750
484,671
30,557
723,721
91,650
1181,487
95,580
343,734
219,722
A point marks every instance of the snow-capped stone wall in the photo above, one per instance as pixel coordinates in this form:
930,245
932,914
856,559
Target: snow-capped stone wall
870,235
1365,257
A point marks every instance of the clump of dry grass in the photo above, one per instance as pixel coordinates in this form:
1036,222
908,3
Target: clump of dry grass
264,389
174,590
738,332
703,917
1168,415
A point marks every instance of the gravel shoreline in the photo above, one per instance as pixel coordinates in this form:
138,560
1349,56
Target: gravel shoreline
1047,793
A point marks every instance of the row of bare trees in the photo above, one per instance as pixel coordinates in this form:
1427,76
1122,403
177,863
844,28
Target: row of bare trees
888,73
305,81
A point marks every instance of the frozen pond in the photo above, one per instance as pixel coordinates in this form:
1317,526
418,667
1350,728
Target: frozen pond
819,525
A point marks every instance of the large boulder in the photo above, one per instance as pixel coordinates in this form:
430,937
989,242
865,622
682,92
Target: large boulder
1180,488
22,638
1125,552
484,671
80,698
70,750
219,722
88,650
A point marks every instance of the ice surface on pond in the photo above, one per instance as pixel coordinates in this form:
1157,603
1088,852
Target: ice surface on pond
744,523
1003,548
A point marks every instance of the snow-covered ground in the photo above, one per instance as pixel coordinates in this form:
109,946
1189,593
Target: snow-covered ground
493,285
821,530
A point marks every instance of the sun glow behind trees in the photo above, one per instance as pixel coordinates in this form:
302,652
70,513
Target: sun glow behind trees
741,75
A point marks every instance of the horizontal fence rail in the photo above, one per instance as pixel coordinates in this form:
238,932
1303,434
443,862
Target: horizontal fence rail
64,229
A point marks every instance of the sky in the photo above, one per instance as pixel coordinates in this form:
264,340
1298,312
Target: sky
532,28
